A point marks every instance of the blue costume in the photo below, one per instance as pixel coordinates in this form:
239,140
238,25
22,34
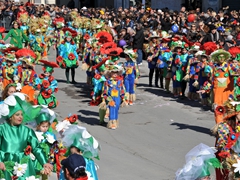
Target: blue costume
68,52
114,93
130,74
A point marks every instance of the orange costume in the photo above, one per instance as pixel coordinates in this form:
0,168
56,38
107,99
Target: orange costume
223,86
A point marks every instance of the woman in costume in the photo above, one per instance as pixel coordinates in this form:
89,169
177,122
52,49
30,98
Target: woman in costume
131,75
17,36
47,85
18,142
68,56
79,141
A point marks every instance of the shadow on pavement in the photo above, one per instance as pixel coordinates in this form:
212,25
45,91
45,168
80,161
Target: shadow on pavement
89,113
89,120
200,129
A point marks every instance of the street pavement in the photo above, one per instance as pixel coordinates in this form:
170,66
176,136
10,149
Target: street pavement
154,134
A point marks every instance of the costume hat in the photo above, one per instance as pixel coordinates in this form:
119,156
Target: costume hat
69,32
45,114
131,53
11,57
215,54
49,66
17,102
88,144
153,35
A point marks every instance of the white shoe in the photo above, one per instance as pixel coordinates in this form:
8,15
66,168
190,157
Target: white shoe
140,64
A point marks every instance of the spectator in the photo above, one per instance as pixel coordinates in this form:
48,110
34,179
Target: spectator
138,43
74,167
213,36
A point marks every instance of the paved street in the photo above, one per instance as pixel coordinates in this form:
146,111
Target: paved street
154,135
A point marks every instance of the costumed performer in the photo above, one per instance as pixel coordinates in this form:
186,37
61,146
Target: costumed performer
17,36
153,50
68,56
26,73
79,141
113,93
131,75
46,138
9,71
228,143
199,160
222,80
47,85
18,142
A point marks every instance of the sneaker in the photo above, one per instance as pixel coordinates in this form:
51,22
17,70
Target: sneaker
130,103
139,64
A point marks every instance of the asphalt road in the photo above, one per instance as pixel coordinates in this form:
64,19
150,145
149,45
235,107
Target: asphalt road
154,134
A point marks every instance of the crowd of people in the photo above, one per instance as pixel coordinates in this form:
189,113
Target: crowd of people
188,49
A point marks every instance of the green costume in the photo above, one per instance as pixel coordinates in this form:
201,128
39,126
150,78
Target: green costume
17,37
18,143
14,140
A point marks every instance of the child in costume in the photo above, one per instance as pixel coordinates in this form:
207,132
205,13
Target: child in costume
59,23
47,85
153,50
37,43
98,82
199,160
9,71
193,70
164,64
24,27
131,75
68,56
113,93
79,141
46,139
26,73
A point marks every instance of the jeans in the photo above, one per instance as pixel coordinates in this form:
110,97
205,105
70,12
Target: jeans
140,56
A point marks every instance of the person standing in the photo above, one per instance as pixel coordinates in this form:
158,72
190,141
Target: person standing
138,43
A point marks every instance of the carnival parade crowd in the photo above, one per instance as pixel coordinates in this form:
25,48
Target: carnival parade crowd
190,54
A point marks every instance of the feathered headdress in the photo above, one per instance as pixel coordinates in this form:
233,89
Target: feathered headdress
25,53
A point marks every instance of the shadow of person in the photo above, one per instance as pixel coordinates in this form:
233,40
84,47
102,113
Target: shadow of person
182,126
